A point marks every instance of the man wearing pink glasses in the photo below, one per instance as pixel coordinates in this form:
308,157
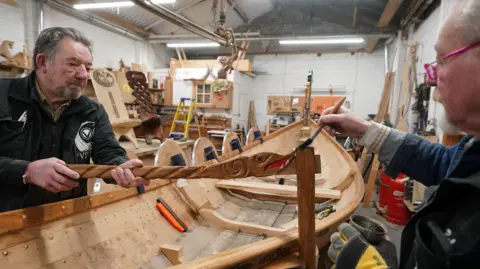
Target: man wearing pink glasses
445,233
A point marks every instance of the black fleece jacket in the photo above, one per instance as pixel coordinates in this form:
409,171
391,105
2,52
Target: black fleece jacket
82,132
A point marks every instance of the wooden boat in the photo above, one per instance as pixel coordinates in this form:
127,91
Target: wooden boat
230,225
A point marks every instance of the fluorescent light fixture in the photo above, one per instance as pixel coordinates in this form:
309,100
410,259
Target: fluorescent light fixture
104,5
322,41
192,45
163,1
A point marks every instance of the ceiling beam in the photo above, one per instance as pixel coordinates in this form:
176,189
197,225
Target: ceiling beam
122,22
239,11
9,2
179,10
388,13
355,14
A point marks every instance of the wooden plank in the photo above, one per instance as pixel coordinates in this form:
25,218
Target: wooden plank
371,44
219,221
243,65
371,182
112,18
172,252
355,15
306,205
20,219
388,13
383,108
9,2
136,67
276,189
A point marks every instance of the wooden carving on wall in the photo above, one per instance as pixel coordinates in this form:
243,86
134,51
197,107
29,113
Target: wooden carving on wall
151,123
103,78
20,60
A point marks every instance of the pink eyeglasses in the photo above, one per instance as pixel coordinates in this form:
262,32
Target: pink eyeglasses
431,69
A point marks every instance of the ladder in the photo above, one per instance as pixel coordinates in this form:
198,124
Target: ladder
186,119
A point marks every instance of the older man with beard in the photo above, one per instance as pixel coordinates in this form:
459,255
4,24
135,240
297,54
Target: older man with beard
445,233
46,122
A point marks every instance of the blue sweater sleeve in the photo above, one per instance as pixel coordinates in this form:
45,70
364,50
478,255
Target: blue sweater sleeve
417,158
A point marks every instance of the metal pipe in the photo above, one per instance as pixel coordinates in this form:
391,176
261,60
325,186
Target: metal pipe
94,20
187,36
40,17
270,38
183,22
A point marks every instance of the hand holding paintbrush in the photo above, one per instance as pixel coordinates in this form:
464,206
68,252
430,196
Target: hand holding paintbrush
321,125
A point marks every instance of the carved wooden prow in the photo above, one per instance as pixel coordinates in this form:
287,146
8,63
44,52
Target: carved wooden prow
151,124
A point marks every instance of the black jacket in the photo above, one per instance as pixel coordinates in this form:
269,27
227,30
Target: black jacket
82,132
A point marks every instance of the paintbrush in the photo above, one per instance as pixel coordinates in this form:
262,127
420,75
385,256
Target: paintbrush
309,141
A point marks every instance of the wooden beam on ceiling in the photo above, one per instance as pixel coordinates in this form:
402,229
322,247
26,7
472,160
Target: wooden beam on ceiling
239,11
9,2
178,11
371,44
388,13
122,22
355,14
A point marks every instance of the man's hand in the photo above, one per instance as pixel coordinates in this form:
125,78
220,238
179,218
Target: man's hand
125,177
349,250
344,122
52,175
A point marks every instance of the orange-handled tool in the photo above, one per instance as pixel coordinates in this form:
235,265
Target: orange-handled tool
171,217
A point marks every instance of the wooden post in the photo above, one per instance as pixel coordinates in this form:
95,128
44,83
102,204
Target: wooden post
306,164
371,181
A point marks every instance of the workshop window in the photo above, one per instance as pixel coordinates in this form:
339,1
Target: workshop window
203,93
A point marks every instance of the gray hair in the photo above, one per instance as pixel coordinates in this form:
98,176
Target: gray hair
466,20
50,38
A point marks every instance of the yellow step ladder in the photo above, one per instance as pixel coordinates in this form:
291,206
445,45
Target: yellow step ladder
187,118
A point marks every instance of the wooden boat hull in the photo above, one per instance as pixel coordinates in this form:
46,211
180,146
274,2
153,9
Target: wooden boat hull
123,229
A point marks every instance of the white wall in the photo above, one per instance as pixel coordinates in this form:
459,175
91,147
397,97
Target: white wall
12,26
18,24
360,77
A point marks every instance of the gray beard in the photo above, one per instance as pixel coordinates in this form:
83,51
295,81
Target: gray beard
68,93
445,124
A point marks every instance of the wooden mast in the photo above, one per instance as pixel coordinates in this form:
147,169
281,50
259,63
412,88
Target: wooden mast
308,95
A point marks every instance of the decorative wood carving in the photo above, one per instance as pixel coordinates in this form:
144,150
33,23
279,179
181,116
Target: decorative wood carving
151,123
259,165
103,77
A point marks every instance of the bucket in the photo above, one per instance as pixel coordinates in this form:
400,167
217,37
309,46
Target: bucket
397,211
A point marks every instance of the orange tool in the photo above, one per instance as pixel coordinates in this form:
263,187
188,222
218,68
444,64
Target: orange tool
168,213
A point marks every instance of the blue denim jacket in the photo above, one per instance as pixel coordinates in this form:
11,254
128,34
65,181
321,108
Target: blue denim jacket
426,162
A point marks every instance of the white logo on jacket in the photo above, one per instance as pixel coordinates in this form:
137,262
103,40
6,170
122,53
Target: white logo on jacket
82,140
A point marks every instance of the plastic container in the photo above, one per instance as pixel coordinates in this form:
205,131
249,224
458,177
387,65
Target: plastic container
397,211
